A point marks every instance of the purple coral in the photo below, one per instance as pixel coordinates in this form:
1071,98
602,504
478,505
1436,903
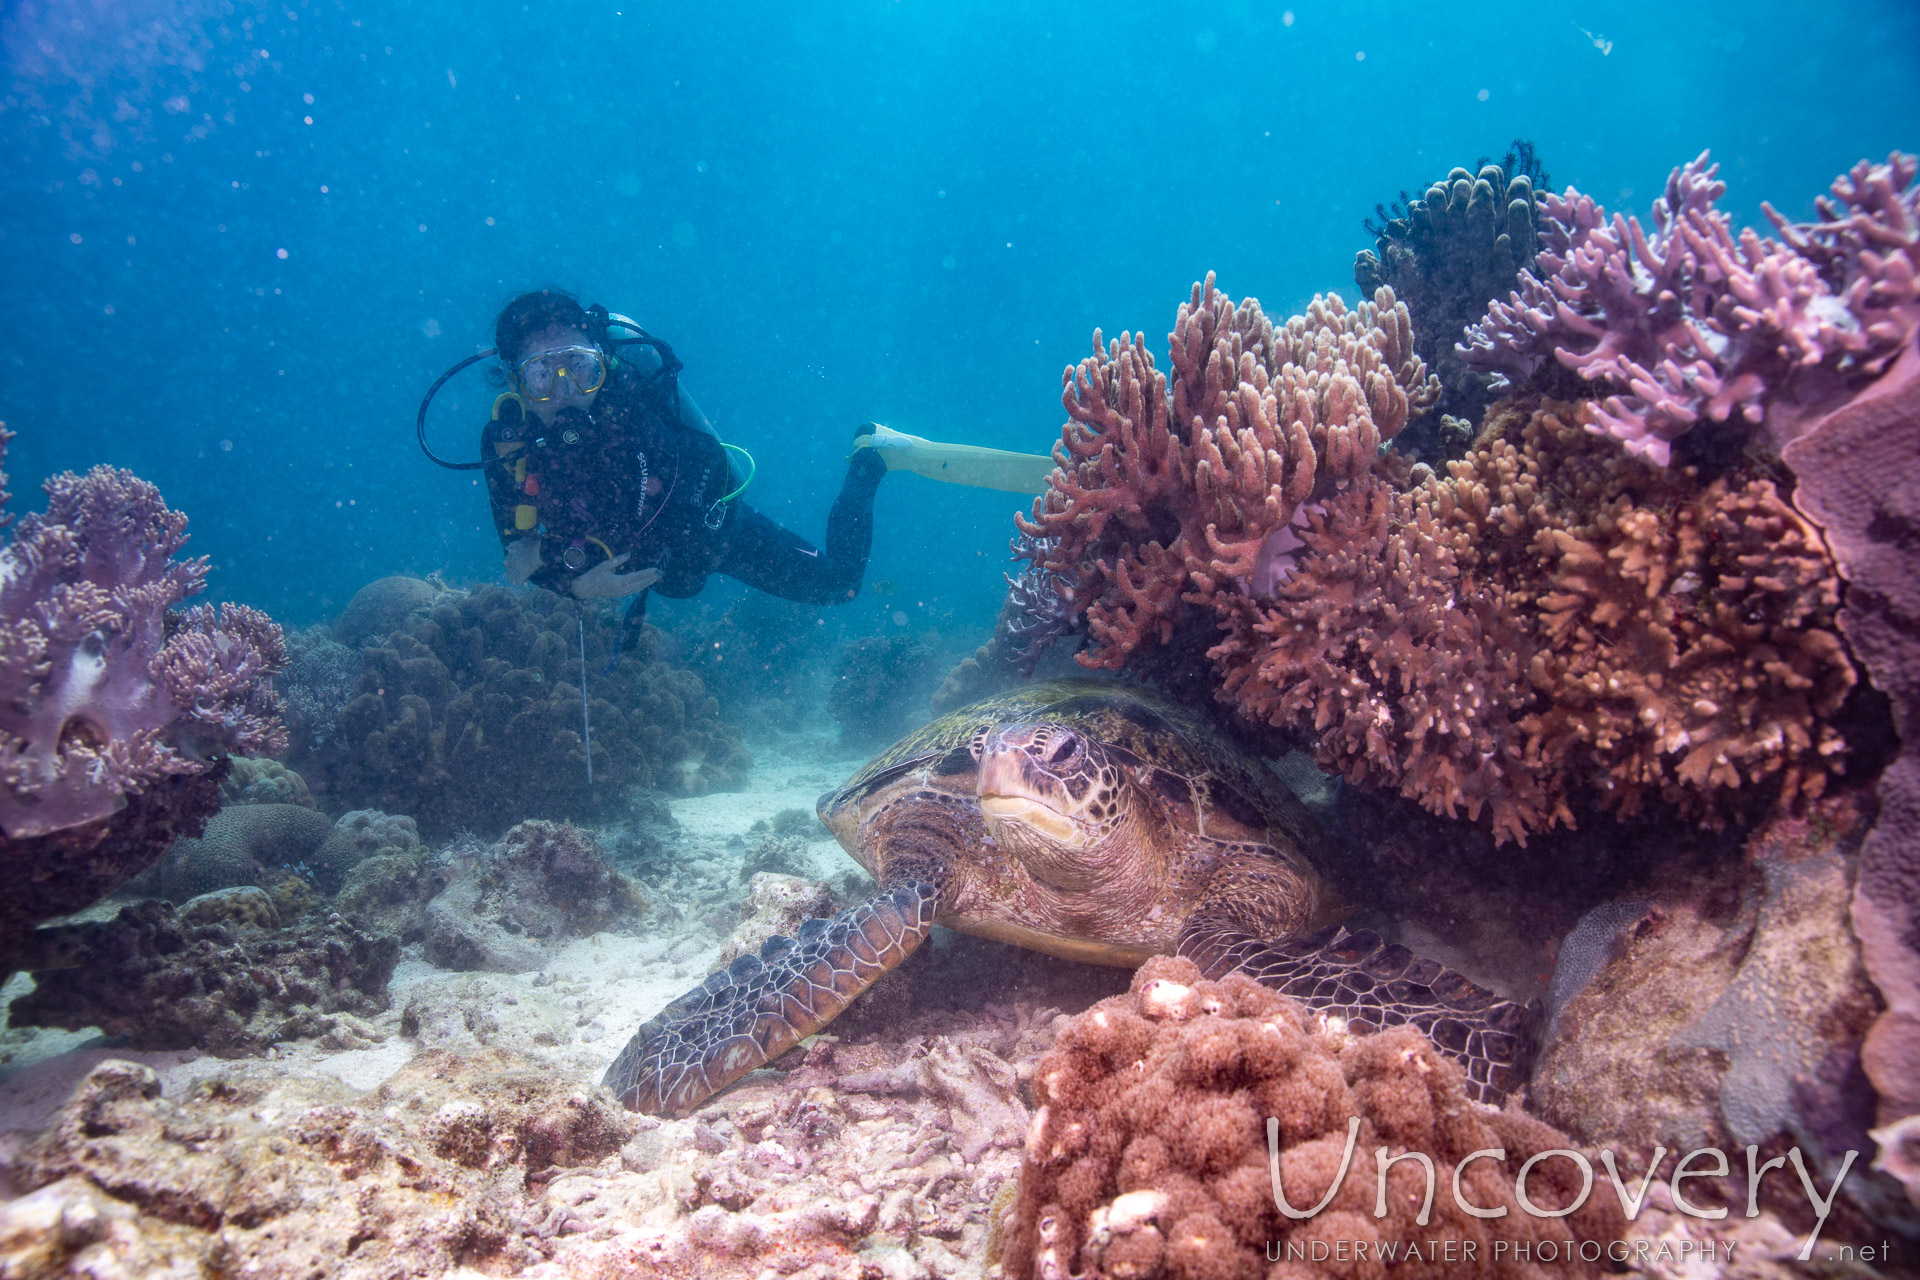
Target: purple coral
1694,321
102,690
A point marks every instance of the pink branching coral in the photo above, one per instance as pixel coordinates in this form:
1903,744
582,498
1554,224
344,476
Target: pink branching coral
102,690
1692,321
1169,492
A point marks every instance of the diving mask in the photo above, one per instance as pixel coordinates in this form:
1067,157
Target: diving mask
582,366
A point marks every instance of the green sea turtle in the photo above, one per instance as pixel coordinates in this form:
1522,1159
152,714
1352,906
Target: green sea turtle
1088,819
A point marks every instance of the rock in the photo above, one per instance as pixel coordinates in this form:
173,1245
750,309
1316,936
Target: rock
776,904
387,894
243,907
273,1179
542,883
224,988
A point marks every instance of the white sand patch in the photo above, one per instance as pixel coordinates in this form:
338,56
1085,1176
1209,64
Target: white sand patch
576,1013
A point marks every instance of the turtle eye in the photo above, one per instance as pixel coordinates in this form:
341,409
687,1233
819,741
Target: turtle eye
1065,749
978,745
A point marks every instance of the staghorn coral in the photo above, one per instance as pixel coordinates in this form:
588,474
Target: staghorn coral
1691,322
220,987
1147,1153
1450,253
1554,621
1172,490
104,690
472,718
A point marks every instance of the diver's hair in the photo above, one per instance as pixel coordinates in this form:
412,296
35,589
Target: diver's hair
531,312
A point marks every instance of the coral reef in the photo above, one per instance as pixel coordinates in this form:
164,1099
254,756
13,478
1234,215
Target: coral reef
882,686
384,606
1691,322
243,844
1172,491
541,883
1732,1007
57,874
764,658
221,987
445,1166
316,686
103,690
1555,622
472,718
1146,1154
1448,254
1855,469
264,782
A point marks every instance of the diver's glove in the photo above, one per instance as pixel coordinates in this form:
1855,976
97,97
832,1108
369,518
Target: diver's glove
523,559
602,582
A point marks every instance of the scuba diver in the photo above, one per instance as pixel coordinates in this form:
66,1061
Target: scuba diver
606,479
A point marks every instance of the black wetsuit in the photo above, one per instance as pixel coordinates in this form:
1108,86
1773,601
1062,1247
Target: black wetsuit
633,476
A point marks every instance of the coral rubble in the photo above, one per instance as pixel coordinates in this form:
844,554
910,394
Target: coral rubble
1149,1152
223,987
539,884
471,716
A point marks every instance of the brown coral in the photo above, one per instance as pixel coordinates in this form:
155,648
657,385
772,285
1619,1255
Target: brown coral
1555,617
1168,492
1149,1153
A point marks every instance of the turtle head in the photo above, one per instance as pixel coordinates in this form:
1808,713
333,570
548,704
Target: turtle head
1053,798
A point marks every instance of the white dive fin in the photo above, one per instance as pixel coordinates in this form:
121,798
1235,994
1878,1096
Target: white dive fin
968,464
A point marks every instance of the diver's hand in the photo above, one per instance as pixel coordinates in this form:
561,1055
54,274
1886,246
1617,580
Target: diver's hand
602,582
523,559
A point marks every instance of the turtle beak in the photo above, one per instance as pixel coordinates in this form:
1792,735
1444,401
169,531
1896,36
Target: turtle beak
1016,785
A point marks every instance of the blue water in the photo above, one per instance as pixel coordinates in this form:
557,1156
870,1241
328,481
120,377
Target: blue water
239,239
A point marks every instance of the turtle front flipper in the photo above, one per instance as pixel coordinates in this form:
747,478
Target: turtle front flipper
761,1005
1371,983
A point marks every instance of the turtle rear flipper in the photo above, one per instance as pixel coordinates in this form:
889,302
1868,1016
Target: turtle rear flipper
1371,983
758,1007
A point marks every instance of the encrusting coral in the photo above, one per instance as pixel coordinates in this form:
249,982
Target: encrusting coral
472,717
1148,1154
223,987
